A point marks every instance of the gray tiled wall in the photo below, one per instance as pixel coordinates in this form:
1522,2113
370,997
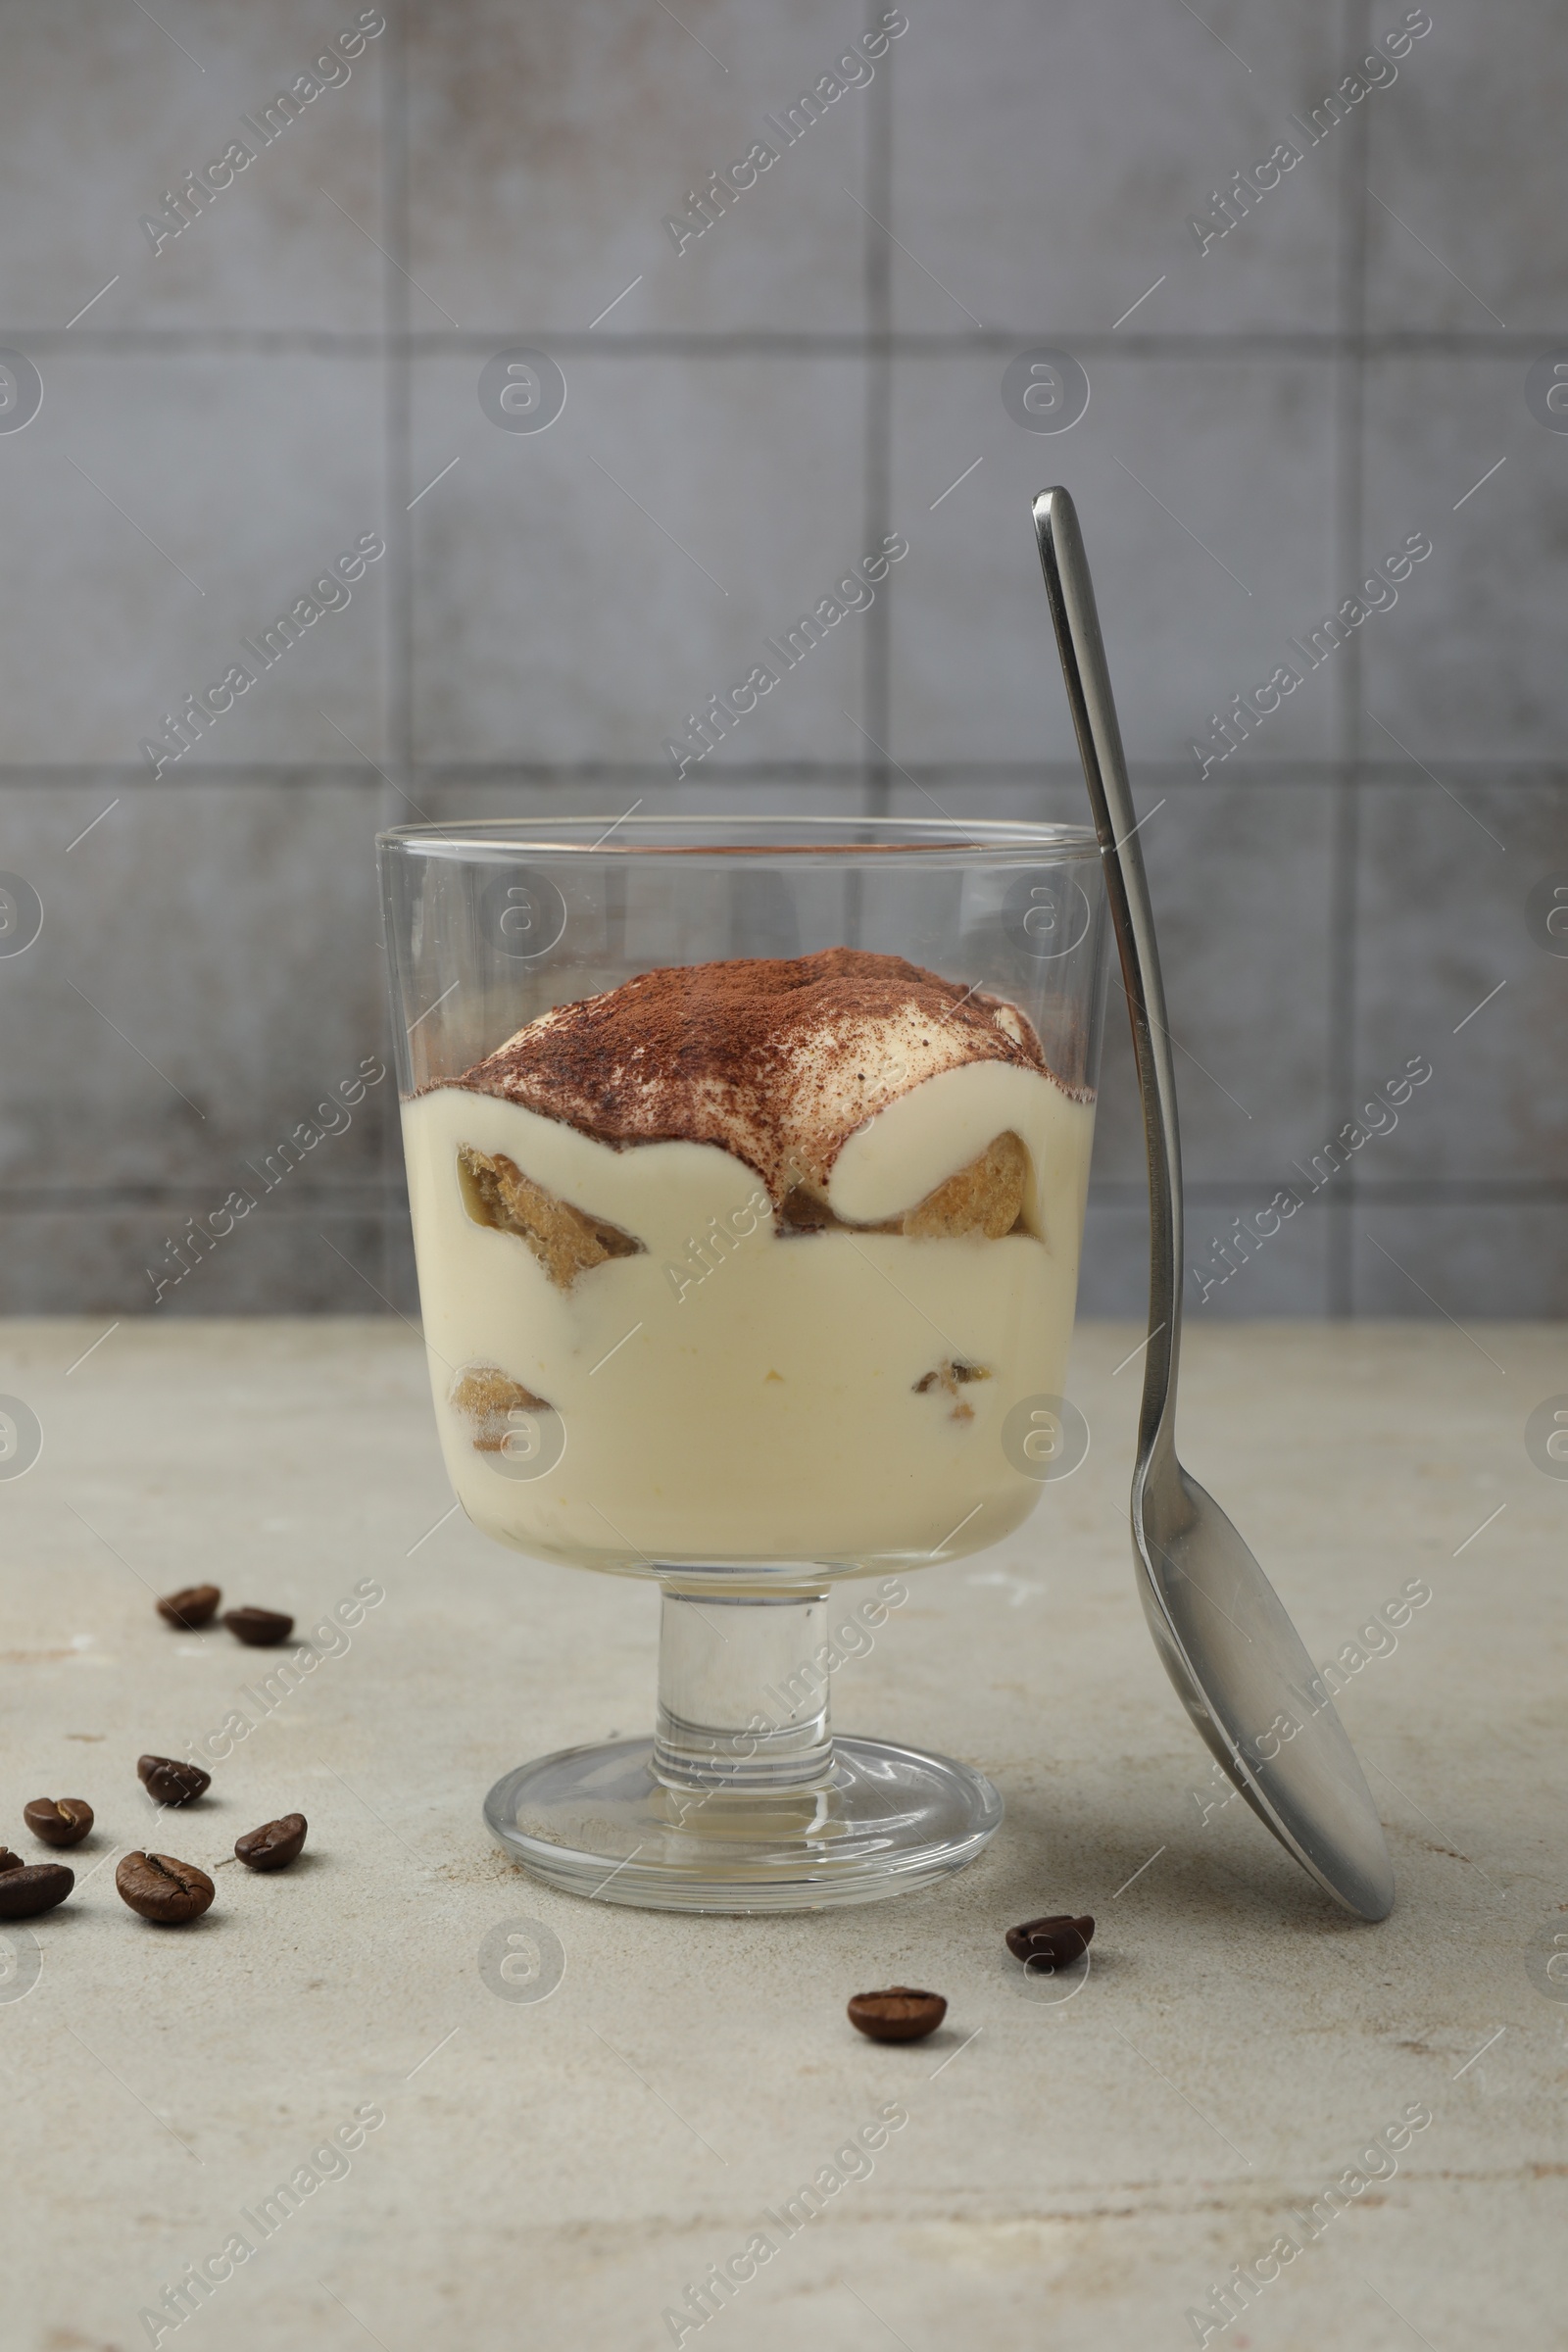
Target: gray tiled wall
1345,368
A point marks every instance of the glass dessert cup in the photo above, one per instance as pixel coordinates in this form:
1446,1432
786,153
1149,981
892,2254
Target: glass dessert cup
747,1161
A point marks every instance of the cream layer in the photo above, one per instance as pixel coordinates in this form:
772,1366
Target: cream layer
737,1395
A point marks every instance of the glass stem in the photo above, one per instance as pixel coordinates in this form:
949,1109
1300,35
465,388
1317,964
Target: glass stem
743,1703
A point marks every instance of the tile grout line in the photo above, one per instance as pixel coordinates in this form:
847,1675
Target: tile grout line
1326,344
397,681
1346,545
1524,772
874,690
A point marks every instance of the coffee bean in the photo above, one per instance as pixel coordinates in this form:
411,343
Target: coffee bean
59,1819
275,1845
159,1888
170,1780
193,1606
900,2014
1054,1942
24,1892
260,1628
9,1860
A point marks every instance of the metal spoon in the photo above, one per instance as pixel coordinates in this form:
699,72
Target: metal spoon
1237,1663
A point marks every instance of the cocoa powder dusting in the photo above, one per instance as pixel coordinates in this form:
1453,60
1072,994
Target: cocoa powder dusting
776,1061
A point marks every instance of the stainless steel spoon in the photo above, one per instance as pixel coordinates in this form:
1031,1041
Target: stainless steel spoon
1237,1663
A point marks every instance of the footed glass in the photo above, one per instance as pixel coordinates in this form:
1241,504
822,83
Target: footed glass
755,1278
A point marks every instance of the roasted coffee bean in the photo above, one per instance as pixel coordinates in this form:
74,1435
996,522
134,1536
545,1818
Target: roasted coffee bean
275,1845
194,1606
172,1781
159,1888
59,1819
900,2014
260,1628
1055,1941
35,1888
9,1860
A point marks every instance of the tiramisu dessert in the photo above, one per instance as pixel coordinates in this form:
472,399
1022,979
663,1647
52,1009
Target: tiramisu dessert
748,1261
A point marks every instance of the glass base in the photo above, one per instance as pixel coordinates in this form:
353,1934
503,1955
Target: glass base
883,1820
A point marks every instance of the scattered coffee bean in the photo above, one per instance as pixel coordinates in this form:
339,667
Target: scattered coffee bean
900,2014
59,1819
193,1606
35,1888
159,1888
9,1860
1055,1941
260,1628
275,1845
170,1780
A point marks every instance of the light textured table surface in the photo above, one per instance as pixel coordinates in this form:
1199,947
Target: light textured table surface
1074,2173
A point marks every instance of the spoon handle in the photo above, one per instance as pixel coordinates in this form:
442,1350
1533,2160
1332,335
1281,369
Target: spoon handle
1094,716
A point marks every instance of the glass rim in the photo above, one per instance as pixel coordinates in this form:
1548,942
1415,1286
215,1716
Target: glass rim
832,838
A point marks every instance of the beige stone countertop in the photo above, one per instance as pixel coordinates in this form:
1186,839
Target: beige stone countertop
1077,2172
